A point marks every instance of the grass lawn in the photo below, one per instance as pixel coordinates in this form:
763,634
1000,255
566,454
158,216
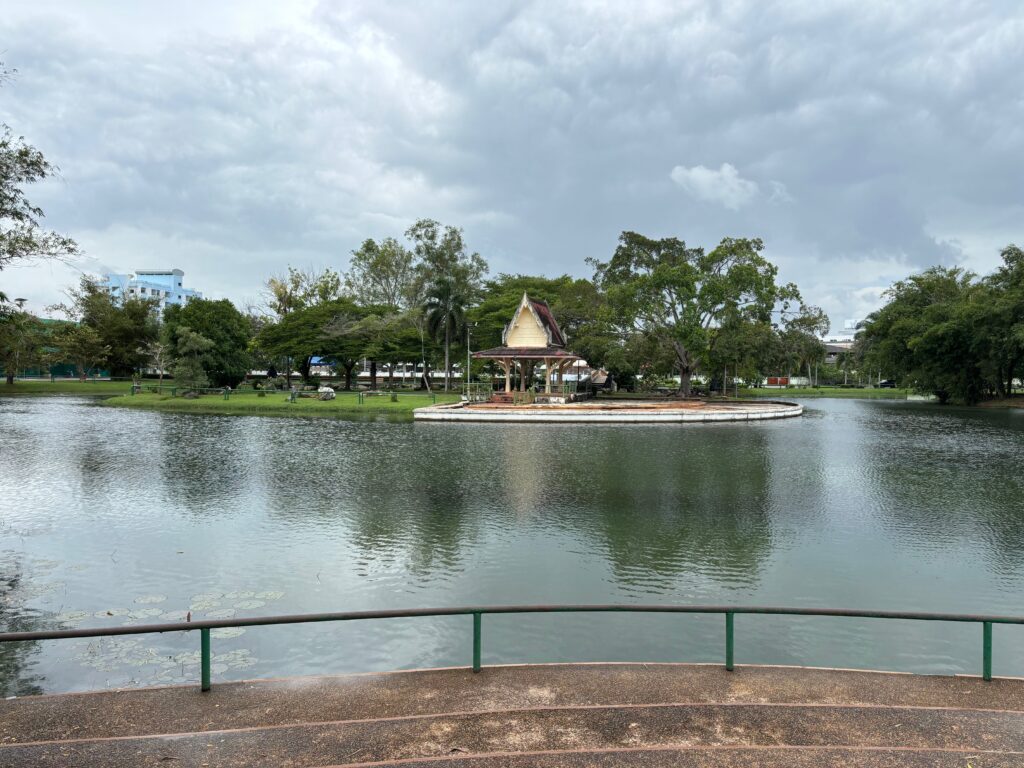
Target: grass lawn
276,404
885,394
66,387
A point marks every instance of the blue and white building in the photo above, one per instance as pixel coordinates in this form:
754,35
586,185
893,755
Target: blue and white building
163,285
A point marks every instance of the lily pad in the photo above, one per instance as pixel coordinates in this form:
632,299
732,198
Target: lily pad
71,617
174,615
248,605
150,599
111,612
204,605
206,596
244,595
271,595
226,633
221,613
144,613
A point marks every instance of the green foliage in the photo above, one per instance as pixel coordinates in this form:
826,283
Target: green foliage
679,298
225,363
444,308
382,274
302,288
944,331
328,329
22,237
187,365
125,325
79,344
21,341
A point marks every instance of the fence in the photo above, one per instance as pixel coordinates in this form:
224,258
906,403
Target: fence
478,612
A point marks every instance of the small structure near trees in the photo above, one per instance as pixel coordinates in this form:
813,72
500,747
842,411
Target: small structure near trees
530,338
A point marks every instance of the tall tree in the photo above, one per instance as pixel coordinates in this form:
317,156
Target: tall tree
21,341
679,296
124,325
382,274
445,310
307,333
22,236
227,362
302,288
441,253
187,364
924,335
82,345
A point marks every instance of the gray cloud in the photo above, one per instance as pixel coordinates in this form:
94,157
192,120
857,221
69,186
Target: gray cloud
860,140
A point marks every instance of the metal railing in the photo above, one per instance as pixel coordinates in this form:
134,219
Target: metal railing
478,612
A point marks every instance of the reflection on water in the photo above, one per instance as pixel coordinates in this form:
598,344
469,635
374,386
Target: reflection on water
115,517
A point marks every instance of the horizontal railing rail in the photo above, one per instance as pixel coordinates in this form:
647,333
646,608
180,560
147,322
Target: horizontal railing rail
478,612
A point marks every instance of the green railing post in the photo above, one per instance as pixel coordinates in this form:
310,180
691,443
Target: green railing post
729,641
477,640
986,650
204,654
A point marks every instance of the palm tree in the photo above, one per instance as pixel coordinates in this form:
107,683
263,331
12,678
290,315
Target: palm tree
444,307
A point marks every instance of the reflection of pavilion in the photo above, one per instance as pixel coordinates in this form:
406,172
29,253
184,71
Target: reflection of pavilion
531,337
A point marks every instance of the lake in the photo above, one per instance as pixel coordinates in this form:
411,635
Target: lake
112,517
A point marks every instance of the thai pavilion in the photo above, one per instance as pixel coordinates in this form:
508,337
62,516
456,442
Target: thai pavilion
532,337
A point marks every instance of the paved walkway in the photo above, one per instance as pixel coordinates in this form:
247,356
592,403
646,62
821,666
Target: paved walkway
548,715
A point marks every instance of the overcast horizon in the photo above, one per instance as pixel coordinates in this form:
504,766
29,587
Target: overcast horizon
861,141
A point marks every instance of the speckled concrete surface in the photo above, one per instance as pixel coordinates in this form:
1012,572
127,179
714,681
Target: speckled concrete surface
439,714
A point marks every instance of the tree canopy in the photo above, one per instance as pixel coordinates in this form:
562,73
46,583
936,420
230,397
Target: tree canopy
225,363
679,298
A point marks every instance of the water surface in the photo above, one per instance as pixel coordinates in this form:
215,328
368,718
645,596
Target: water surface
112,517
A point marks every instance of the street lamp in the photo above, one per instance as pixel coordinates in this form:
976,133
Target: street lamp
468,327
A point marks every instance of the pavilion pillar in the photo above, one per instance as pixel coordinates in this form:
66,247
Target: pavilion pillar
508,374
522,375
547,375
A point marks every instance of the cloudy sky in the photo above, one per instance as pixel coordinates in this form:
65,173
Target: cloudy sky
861,140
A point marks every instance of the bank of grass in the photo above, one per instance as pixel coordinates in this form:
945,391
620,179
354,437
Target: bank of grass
844,392
85,388
345,405
780,394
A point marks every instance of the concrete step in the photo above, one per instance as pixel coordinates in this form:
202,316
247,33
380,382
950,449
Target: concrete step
726,757
575,730
289,701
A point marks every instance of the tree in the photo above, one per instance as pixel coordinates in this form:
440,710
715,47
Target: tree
302,288
441,253
225,363
187,365
157,354
124,325
925,335
679,296
445,311
82,345
1001,319
382,274
21,341
306,333
22,237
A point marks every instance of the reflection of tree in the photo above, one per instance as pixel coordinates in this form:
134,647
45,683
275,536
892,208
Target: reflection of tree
205,458
399,497
664,502
16,658
950,478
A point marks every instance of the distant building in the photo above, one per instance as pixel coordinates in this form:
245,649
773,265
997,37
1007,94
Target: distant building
164,285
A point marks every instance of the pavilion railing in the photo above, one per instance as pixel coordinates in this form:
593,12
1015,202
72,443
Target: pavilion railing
478,612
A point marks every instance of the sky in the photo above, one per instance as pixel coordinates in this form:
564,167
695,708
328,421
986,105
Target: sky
862,141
